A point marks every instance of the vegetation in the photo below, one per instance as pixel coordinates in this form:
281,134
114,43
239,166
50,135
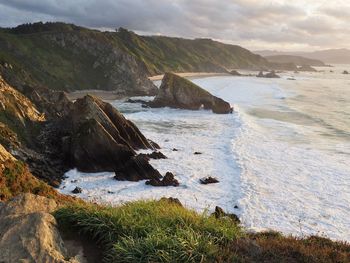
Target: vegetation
15,178
67,57
162,231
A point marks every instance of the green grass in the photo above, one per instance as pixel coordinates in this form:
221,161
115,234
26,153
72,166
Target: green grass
152,231
161,231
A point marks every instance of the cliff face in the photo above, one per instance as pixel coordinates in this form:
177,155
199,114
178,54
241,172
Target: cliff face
67,57
73,58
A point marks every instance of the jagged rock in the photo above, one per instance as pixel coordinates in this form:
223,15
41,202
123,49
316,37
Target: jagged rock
168,180
28,232
154,155
175,150
77,190
135,169
345,72
208,180
271,74
219,213
178,92
103,140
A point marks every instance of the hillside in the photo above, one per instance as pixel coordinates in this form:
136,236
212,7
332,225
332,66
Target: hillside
67,57
297,60
336,56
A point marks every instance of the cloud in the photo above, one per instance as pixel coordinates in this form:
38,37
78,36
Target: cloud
254,24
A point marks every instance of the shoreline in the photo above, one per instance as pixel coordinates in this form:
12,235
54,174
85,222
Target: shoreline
113,95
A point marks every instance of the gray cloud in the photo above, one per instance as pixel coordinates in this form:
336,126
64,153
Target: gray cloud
278,24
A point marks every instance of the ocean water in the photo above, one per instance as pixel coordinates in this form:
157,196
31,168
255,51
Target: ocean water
283,157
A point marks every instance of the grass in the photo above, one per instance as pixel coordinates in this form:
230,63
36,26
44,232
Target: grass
152,231
161,231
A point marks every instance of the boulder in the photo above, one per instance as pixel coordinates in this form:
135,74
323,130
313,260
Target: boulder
101,139
178,92
168,180
220,213
135,169
77,190
208,180
154,155
345,72
28,232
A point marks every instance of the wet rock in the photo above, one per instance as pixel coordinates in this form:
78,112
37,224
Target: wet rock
178,92
345,72
77,190
135,101
220,213
135,169
175,150
154,155
307,68
197,153
167,180
209,180
236,207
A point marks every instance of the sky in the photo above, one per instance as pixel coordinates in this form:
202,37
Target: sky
285,25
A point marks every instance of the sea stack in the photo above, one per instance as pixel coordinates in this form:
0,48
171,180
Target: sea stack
178,92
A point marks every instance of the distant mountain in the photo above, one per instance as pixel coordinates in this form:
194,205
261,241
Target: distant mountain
297,60
336,56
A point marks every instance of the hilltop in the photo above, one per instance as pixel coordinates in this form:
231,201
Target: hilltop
297,60
67,57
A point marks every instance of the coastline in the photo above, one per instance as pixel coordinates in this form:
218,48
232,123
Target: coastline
112,95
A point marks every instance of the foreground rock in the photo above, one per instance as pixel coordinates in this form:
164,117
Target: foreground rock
168,180
28,232
101,139
178,92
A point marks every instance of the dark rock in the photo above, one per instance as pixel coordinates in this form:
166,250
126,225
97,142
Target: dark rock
110,192
197,153
168,180
171,200
208,180
345,72
135,169
235,73
271,74
101,138
236,207
175,150
220,213
77,190
154,155
178,92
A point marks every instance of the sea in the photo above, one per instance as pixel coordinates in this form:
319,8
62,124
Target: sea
282,158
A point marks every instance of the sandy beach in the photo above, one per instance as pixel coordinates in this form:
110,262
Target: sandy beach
112,95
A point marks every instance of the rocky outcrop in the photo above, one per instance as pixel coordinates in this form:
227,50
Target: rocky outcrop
219,213
345,72
271,74
208,180
101,139
235,73
178,92
28,232
167,180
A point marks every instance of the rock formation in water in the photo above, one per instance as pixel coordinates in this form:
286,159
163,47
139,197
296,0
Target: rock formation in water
269,75
178,92
307,68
